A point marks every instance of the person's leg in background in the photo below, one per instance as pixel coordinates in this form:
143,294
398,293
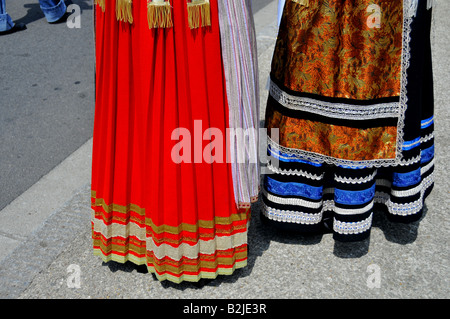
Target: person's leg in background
6,23
54,10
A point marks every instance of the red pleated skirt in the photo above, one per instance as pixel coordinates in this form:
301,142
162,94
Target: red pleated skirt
179,219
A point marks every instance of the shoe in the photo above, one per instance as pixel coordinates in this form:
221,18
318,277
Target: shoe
66,14
63,19
15,28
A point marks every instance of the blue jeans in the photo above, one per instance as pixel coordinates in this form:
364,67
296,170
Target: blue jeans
52,9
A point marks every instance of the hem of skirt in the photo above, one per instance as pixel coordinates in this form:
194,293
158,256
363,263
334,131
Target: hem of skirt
306,229
406,219
201,275
139,261
325,226
349,238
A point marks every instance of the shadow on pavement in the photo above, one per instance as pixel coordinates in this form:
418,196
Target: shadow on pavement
34,11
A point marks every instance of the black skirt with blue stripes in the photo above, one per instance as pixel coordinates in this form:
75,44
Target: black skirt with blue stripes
305,192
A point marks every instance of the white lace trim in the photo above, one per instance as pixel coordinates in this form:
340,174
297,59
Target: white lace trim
406,57
290,216
352,228
427,138
328,205
291,200
334,110
407,208
302,173
427,167
407,193
411,6
353,211
320,158
361,180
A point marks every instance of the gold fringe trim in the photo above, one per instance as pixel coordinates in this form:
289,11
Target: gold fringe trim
159,14
101,4
199,13
124,10
302,2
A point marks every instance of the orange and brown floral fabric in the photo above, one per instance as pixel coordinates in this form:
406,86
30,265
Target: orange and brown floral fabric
332,48
336,79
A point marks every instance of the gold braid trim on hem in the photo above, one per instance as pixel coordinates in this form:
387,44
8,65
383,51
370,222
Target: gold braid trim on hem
106,210
163,272
201,275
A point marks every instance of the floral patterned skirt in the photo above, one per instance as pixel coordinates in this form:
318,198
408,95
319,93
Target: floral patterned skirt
350,116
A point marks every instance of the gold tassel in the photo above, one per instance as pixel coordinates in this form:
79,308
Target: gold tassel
101,4
159,14
199,13
302,2
124,10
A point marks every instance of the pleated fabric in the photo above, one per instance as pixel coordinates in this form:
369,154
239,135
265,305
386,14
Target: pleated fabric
162,189
351,98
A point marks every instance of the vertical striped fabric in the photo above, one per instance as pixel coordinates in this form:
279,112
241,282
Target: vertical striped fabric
241,72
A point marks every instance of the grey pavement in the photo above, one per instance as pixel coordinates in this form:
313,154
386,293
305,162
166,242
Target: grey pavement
45,232
47,100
